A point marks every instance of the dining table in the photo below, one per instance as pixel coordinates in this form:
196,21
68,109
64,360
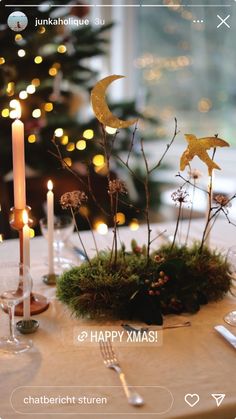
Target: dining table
64,376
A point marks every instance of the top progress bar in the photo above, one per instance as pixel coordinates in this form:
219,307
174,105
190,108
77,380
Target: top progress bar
120,5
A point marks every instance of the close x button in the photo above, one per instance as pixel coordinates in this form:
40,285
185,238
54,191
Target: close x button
223,21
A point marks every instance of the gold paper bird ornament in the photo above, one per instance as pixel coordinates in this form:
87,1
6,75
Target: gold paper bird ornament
197,147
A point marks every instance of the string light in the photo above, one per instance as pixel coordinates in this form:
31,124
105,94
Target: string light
134,225
88,134
18,37
38,59
32,233
58,132
21,53
14,114
84,211
2,60
10,88
57,66
204,105
14,103
36,113
35,82
81,145
68,161
110,130
48,107
101,228
61,49
70,147
23,94
64,140
32,138
30,89
5,113
120,218
52,71
101,170
98,160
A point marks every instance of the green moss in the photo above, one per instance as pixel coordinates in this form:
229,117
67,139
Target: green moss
192,279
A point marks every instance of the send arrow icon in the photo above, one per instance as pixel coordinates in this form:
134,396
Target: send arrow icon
218,398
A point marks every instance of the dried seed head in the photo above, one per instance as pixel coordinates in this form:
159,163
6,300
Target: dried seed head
222,200
180,196
194,174
73,200
117,186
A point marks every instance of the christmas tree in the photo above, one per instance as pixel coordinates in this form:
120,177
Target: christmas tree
48,69
45,68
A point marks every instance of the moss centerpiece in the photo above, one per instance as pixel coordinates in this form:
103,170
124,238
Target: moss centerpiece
144,283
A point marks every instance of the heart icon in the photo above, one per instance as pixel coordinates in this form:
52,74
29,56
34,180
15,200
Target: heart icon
192,399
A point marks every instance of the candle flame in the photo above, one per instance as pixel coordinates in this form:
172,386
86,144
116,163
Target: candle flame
18,110
50,185
15,104
25,217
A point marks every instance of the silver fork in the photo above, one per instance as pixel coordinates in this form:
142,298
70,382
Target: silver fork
110,360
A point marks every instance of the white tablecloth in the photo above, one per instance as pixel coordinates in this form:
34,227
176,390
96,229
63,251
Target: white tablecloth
193,360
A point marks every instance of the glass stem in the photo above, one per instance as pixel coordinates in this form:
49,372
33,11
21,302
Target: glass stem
11,312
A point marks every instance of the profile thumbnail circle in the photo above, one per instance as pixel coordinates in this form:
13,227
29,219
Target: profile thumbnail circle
17,21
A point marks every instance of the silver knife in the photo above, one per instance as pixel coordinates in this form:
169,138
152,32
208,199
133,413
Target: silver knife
226,334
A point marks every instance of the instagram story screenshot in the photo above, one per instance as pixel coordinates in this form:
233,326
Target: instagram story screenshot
117,209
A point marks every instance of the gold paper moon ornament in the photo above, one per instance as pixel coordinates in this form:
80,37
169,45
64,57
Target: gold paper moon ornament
100,108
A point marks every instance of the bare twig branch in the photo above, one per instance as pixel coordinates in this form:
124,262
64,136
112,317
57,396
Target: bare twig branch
188,182
144,157
176,132
88,185
132,143
157,237
129,169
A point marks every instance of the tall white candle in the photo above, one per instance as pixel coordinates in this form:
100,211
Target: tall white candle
50,223
18,157
26,259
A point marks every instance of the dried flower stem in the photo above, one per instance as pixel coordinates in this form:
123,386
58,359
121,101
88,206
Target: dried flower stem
113,203
115,230
177,226
147,208
214,219
81,241
191,212
209,212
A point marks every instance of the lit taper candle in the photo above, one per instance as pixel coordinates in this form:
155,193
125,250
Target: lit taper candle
18,157
50,223
26,259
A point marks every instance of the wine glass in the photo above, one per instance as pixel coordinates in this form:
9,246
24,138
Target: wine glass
15,287
63,229
230,318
